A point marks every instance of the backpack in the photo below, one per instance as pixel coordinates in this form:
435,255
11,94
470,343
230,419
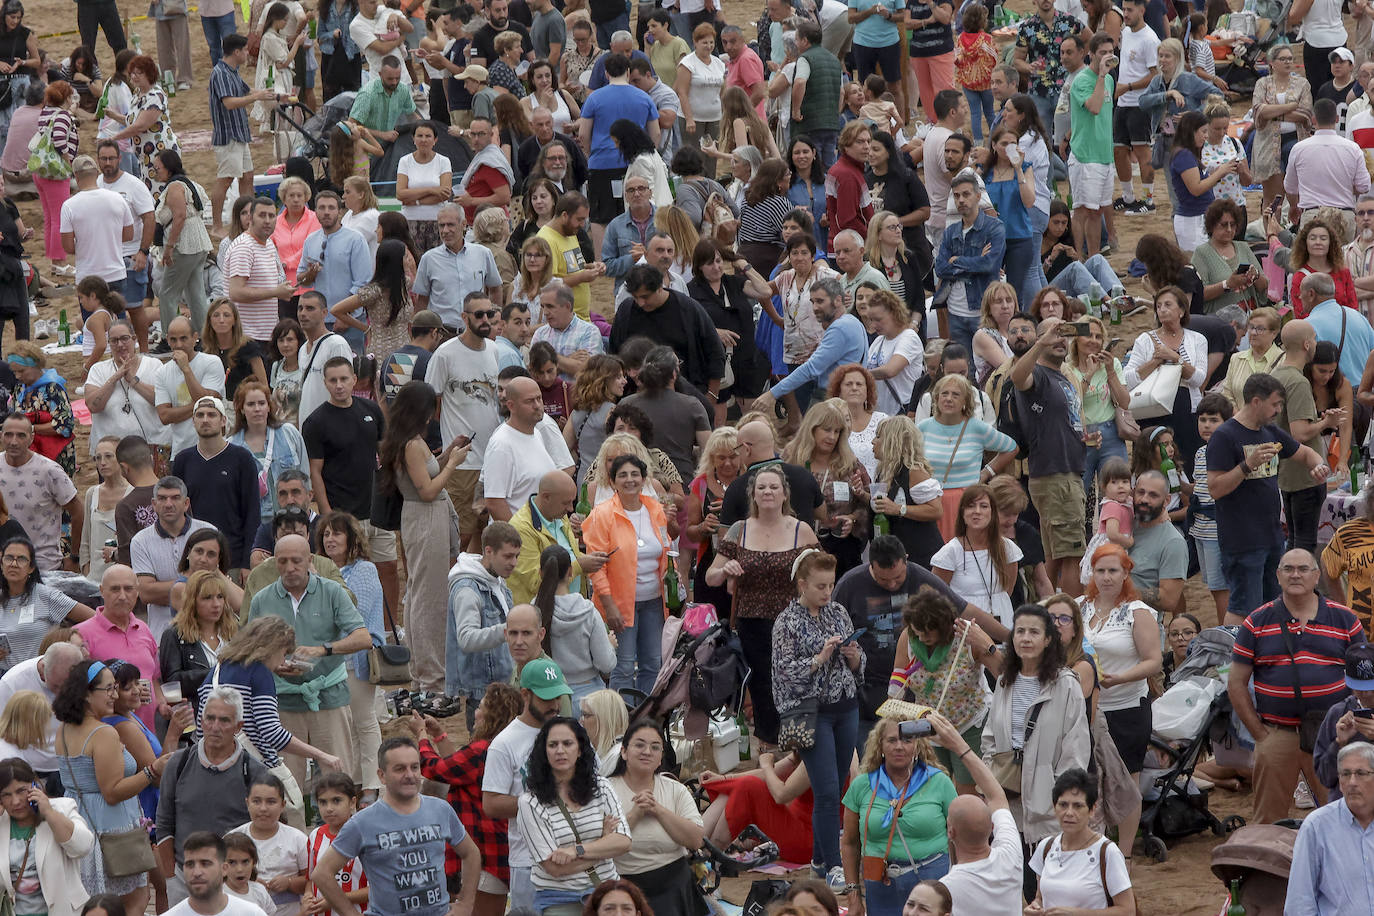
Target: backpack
1008,417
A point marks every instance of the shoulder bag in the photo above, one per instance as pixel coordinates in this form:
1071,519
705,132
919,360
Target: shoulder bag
1310,719
45,159
874,868
388,665
590,872
1153,396
126,852
1006,765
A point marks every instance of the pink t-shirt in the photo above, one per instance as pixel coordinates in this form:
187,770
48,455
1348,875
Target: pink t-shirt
1119,511
263,268
136,645
744,72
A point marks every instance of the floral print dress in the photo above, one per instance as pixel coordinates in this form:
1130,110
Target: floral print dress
158,137
47,402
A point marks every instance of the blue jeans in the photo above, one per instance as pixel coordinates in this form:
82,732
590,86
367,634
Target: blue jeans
980,105
1252,576
640,645
604,30
1093,458
584,689
827,761
19,87
890,896
1078,277
216,29
135,283
1019,263
827,142
1039,221
961,330
1045,105
521,892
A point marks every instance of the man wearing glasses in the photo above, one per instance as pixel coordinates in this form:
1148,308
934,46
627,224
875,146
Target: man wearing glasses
121,391
1294,648
449,273
628,234
1335,843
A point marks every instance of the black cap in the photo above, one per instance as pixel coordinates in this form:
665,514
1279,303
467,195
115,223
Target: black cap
1359,666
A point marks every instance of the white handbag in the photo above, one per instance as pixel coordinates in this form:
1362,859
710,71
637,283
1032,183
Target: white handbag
1153,396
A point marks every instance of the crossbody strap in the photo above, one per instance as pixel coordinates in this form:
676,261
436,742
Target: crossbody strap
1293,659
314,352
954,451
567,816
1341,346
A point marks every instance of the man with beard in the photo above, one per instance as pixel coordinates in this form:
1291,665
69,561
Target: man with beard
1020,338
1160,553
1302,498
336,261
401,843
1051,410
542,687
498,21
1359,253
541,120
202,865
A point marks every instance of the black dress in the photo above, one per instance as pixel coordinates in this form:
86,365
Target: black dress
241,366
732,310
14,300
921,539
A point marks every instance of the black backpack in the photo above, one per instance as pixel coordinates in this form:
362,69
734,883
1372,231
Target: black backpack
1008,417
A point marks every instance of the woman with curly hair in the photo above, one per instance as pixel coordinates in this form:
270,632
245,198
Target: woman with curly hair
461,769
904,491
856,386
1317,250
1168,265
564,813
545,93
598,387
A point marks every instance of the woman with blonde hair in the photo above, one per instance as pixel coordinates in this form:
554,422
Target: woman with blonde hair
699,79
246,665
598,387
956,439
990,346
1263,355
532,274
901,789
203,625
615,444
295,223
894,356
360,210
605,718
885,248
675,222
491,230
223,337
718,468
905,493
24,728
740,125
822,446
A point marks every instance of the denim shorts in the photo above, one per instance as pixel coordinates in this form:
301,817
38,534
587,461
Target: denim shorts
1209,559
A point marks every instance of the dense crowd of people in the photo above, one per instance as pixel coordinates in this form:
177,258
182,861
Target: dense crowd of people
661,321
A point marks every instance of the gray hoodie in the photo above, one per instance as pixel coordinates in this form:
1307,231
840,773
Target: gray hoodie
581,645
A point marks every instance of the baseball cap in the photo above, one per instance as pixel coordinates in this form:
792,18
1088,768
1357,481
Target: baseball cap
210,401
473,72
544,679
1343,54
426,318
1359,666
87,164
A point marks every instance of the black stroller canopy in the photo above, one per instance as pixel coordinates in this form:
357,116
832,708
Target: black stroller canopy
384,166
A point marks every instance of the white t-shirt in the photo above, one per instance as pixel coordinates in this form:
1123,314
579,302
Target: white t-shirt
653,847
313,392
991,885
1073,878
513,464
234,906
140,201
282,855
975,578
508,760
127,413
647,585
365,222
97,218
364,32
703,92
172,389
548,432
1114,643
1139,52
907,344
465,380
423,175
257,894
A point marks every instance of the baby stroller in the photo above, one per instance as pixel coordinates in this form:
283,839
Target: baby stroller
700,674
1242,70
1261,856
1193,712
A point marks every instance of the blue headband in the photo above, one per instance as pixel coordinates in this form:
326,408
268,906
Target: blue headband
93,672
348,131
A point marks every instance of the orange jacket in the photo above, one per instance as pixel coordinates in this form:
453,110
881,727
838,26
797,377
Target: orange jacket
608,527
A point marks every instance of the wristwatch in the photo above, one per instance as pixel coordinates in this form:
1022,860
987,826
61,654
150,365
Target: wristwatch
852,889
328,649
581,852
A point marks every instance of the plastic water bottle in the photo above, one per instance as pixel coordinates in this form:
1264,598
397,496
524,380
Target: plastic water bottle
744,750
137,43
1096,296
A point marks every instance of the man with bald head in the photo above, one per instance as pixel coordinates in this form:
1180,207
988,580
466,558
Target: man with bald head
183,380
114,632
516,458
547,519
1287,693
987,875
1302,498
44,675
758,447
314,699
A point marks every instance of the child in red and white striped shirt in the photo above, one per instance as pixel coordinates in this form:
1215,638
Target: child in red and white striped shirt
336,797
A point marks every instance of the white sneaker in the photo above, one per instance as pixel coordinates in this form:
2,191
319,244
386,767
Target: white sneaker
1302,795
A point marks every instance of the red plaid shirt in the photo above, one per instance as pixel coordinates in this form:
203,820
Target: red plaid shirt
462,771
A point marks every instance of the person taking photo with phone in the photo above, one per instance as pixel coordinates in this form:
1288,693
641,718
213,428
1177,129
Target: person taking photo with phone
1352,719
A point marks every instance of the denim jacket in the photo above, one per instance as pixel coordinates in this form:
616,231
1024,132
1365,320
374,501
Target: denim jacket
471,589
621,235
961,256
1193,88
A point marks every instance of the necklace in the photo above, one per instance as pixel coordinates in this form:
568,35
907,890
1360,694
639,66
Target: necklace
634,520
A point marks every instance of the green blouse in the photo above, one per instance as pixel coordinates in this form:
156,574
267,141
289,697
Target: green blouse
1213,268
921,822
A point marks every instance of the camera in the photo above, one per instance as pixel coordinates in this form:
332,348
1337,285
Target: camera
916,728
